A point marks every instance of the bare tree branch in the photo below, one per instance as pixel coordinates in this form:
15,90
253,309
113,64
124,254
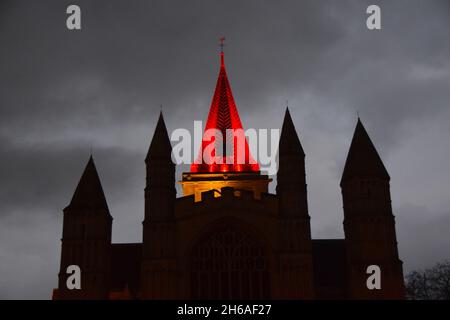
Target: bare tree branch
429,284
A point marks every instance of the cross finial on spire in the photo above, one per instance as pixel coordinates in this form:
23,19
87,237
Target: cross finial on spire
222,44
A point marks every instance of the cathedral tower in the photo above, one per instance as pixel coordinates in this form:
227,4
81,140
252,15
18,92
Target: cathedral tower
224,158
86,240
158,265
295,232
369,224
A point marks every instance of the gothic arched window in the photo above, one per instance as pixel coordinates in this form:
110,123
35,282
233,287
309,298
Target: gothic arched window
229,264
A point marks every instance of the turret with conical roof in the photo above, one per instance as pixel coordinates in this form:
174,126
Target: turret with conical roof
158,226
291,180
86,240
365,180
295,230
159,190
369,224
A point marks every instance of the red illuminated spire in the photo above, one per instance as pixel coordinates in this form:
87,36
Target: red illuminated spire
223,115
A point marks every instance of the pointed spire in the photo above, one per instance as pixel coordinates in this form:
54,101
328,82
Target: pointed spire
89,192
289,141
222,61
160,146
223,115
363,158
222,44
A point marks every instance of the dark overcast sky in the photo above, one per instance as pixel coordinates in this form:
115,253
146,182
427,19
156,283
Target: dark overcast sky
62,92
